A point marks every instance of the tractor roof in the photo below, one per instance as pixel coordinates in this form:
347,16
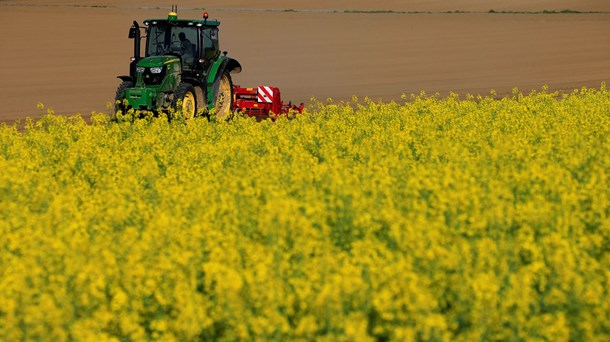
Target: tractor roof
172,19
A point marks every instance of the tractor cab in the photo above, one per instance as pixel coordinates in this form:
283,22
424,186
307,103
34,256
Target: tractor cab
195,42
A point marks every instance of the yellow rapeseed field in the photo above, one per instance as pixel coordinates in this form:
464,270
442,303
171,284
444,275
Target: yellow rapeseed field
433,219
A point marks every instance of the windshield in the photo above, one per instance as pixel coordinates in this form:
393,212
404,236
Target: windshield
163,40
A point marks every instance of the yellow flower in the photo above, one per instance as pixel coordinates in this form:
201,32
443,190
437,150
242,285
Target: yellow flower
482,218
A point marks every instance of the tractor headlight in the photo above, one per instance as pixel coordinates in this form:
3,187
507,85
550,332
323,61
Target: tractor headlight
156,70
140,70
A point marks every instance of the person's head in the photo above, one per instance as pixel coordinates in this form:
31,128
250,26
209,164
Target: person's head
182,36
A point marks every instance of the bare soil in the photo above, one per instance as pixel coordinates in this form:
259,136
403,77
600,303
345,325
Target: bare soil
67,54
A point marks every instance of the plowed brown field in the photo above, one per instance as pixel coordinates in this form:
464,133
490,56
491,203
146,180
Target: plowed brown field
67,54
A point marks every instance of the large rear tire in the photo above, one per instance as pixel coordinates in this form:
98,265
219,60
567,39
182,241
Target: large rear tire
224,96
120,96
188,107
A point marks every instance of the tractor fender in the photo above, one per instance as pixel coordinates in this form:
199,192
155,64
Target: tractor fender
233,66
218,68
221,65
126,78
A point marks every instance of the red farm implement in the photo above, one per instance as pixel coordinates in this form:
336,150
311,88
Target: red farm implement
262,102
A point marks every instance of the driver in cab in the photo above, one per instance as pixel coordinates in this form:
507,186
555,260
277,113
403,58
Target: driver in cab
186,47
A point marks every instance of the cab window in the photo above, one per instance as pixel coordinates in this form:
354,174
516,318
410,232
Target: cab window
210,42
163,40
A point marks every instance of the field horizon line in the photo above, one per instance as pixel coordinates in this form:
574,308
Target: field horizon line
290,10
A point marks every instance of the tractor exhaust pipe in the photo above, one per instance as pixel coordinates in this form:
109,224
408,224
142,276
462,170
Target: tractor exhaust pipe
136,43
134,33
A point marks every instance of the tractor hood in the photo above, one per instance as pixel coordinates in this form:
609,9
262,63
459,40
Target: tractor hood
158,71
157,61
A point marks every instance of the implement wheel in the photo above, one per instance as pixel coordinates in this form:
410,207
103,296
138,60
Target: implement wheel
224,96
186,94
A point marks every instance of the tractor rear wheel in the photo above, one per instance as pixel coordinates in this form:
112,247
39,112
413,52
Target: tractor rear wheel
186,93
120,96
224,96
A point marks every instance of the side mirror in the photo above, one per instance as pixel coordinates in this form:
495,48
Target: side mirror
132,33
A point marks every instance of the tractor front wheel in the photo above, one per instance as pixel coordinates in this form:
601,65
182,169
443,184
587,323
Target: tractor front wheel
224,96
185,94
119,98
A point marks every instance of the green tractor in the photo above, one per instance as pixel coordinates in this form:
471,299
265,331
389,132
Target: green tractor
182,69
